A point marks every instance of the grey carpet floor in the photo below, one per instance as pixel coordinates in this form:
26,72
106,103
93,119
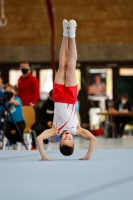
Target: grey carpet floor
108,175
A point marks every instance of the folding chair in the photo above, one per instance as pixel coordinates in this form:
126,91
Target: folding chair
29,116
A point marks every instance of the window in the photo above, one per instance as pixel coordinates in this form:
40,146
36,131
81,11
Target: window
14,76
46,82
100,83
126,71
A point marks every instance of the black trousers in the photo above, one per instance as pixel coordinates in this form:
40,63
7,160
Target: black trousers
120,123
13,138
39,128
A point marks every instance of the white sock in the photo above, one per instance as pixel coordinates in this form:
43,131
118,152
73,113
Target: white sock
72,28
65,28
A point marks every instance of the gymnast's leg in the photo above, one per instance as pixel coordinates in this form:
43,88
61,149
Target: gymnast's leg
72,58
60,75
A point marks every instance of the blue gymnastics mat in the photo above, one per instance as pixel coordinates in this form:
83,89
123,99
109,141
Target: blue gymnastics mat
108,175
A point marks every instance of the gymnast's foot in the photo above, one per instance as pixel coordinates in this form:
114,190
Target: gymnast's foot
72,28
65,28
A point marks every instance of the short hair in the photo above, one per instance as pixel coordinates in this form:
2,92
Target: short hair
125,95
50,93
8,85
24,62
66,150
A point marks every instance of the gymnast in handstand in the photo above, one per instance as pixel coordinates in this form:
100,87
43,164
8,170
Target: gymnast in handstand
65,122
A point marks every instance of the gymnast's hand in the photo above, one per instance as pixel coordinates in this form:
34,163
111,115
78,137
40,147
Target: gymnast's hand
85,158
46,159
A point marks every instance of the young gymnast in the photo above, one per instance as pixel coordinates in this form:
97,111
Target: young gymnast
65,122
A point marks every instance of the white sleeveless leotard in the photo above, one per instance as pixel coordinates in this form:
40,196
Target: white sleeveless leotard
65,118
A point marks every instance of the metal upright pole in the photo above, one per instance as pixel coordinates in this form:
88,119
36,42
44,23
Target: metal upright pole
51,18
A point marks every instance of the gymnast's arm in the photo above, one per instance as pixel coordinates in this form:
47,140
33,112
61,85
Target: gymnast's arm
87,135
45,135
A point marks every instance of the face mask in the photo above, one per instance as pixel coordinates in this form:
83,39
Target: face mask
123,101
24,71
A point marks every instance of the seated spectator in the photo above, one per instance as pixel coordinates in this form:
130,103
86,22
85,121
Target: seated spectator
1,87
45,119
15,106
122,105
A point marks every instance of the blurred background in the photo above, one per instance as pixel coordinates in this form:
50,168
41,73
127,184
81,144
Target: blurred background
31,31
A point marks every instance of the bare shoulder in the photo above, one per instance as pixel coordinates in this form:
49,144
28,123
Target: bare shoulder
47,133
53,129
81,132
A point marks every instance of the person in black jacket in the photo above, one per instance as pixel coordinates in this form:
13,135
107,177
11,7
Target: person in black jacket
45,119
122,105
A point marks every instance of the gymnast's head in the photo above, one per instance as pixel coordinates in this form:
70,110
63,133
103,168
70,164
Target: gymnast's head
66,143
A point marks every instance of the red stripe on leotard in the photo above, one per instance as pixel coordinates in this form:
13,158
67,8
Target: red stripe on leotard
59,129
